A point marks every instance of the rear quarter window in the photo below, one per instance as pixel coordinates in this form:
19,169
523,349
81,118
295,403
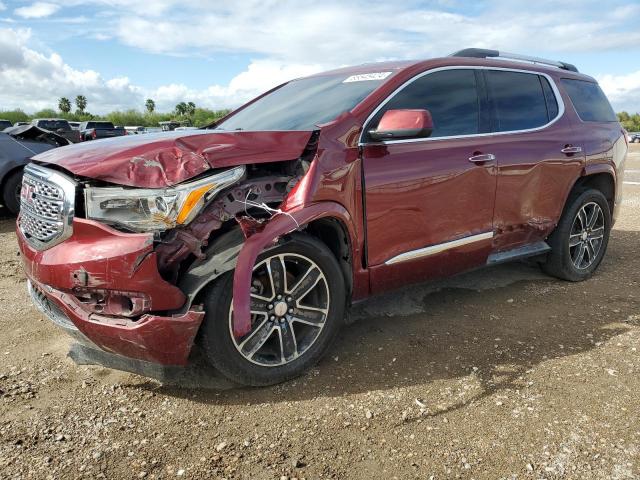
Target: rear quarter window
519,100
589,100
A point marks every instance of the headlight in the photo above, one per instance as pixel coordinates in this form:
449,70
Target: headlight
151,209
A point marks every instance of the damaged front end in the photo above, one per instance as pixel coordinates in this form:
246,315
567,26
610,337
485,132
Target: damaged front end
124,262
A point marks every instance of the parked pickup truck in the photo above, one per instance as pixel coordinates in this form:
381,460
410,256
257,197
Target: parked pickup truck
251,238
95,130
59,126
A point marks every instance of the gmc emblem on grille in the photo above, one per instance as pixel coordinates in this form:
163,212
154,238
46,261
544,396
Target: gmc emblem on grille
27,193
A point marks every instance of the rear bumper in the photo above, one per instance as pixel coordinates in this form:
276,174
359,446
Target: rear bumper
99,259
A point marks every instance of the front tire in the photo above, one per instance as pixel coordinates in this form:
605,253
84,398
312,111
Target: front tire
298,301
580,240
11,192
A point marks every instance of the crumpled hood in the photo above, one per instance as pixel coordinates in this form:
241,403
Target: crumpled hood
163,159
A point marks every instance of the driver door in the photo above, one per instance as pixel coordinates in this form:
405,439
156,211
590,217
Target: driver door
430,201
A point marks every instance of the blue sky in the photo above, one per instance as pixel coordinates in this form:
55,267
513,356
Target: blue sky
219,53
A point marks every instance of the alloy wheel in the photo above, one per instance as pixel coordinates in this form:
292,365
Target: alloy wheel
289,307
587,234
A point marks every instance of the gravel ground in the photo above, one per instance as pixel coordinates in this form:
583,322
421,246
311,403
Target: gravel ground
527,377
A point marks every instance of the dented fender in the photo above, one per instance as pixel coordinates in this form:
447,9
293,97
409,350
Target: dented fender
281,224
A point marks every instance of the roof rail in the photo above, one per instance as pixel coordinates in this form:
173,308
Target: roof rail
487,53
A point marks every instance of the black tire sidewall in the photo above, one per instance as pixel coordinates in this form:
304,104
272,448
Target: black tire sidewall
10,200
561,235
216,338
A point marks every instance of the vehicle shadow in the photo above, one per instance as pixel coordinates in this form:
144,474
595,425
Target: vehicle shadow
491,325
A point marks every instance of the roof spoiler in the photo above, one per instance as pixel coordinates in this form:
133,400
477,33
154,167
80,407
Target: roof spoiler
487,53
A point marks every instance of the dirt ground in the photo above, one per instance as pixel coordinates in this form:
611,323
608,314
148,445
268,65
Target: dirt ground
501,373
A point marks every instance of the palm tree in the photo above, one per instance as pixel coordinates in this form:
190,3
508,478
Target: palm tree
181,108
64,105
81,103
150,105
191,108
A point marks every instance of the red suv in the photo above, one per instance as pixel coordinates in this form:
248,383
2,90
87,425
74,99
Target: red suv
250,238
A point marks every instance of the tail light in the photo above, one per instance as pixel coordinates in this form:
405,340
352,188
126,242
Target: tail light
94,134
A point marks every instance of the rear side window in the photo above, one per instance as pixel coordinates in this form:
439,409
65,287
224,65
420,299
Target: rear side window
589,101
451,97
519,101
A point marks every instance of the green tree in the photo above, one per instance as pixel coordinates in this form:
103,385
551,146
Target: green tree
14,116
150,105
64,105
191,108
181,109
81,103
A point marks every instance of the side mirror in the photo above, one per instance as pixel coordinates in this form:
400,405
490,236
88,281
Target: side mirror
399,124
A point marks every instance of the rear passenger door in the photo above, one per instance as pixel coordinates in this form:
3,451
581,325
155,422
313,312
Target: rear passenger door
537,152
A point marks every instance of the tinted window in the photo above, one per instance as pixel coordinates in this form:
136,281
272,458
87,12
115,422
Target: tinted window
518,100
54,124
103,125
303,104
450,96
589,101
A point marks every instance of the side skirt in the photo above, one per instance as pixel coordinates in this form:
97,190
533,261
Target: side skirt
526,251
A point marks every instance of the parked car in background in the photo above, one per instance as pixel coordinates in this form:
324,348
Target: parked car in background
634,137
94,130
75,125
131,130
5,124
253,236
18,124
59,126
17,145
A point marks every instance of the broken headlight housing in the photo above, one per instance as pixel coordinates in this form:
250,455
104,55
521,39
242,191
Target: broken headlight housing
156,209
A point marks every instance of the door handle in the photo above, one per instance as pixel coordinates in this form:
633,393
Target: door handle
482,158
569,149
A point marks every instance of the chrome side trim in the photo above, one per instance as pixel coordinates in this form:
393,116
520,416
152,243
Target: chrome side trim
554,87
441,247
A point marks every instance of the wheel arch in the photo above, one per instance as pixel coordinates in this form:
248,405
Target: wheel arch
601,179
326,221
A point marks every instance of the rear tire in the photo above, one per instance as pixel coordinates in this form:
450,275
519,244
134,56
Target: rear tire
11,192
299,323
580,240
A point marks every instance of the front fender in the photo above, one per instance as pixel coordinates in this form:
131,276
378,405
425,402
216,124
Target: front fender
281,224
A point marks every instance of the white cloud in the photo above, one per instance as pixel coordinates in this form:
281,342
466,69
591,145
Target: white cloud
31,80
360,30
623,91
37,10
2,6
290,38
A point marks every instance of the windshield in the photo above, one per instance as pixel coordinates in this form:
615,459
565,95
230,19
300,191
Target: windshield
303,104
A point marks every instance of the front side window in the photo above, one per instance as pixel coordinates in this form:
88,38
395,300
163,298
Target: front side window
518,100
450,96
303,104
590,101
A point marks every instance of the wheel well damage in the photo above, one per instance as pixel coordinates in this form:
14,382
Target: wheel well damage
602,181
242,222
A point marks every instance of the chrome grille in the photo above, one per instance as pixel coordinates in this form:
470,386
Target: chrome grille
46,206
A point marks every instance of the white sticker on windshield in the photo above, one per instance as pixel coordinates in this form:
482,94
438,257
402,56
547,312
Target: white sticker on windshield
366,77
